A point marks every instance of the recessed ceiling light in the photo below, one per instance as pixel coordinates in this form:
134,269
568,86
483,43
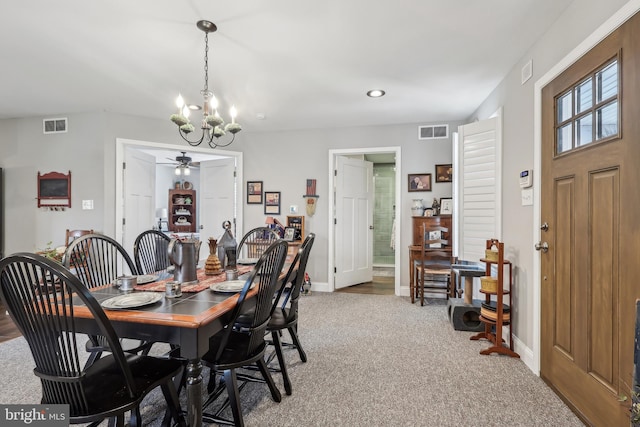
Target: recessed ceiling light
375,93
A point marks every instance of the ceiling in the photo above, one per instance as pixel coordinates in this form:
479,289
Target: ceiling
299,64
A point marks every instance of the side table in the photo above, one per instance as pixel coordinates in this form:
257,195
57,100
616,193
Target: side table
464,313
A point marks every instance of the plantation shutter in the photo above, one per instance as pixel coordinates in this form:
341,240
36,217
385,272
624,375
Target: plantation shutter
478,187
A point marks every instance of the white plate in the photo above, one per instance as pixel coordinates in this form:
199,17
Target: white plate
232,286
146,278
140,279
247,261
136,299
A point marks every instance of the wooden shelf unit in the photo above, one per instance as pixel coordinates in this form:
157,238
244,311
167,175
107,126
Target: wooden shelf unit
493,328
179,208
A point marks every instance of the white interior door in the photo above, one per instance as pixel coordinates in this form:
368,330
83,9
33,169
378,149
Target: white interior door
217,199
354,222
139,189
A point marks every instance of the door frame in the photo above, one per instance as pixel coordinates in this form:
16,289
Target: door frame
397,151
121,143
616,20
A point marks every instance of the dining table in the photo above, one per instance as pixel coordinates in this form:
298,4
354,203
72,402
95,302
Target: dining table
186,321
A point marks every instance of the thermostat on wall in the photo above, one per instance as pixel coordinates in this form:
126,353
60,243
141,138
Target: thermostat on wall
526,178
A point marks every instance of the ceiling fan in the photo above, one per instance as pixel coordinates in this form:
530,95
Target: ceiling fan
183,164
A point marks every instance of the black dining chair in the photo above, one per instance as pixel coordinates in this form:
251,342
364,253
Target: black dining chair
99,260
255,242
284,312
236,346
150,252
43,299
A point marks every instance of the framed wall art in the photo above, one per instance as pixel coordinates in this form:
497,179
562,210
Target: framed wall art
419,182
444,173
254,192
272,202
446,206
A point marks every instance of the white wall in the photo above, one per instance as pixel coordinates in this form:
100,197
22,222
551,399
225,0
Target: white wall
282,160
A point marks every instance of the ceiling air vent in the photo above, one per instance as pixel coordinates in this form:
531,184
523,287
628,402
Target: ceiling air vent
54,125
433,132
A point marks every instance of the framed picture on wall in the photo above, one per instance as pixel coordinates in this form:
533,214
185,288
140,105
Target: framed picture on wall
254,192
272,202
444,173
419,182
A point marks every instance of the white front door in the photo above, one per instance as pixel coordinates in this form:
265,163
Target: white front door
139,181
217,199
354,222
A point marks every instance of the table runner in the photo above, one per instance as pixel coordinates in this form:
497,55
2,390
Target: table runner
204,281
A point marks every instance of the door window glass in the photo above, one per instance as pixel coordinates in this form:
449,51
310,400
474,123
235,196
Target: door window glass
581,117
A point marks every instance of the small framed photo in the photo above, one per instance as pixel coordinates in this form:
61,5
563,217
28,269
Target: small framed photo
446,206
419,182
444,173
289,234
254,192
272,202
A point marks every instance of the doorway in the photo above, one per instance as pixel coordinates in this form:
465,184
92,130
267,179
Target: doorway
164,153
387,260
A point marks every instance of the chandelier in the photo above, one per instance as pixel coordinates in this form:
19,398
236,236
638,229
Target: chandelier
212,125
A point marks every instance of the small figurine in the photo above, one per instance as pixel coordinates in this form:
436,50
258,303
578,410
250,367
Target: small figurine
435,206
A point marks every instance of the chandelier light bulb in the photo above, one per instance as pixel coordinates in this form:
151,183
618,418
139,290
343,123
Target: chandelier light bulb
186,112
233,113
213,102
179,102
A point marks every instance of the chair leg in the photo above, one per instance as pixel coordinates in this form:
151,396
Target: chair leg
134,421
275,393
93,356
234,398
283,367
173,403
296,341
412,288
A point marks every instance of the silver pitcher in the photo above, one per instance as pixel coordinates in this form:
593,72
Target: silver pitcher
184,254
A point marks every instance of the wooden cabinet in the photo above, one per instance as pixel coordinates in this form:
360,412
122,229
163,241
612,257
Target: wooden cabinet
182,211
432,221
494,312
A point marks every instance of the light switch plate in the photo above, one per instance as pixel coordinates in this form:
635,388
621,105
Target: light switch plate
527,196
87,204
293,209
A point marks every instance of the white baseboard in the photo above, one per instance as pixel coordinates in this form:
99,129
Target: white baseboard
320,287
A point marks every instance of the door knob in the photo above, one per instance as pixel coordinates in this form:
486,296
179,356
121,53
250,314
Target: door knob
544,226
542,246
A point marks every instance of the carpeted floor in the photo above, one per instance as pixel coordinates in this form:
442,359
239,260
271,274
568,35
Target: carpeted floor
373,361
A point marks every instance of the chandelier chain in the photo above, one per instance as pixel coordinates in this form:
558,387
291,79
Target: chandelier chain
206,62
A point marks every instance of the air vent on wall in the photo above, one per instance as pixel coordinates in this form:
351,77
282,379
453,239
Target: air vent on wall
54,125
433,132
